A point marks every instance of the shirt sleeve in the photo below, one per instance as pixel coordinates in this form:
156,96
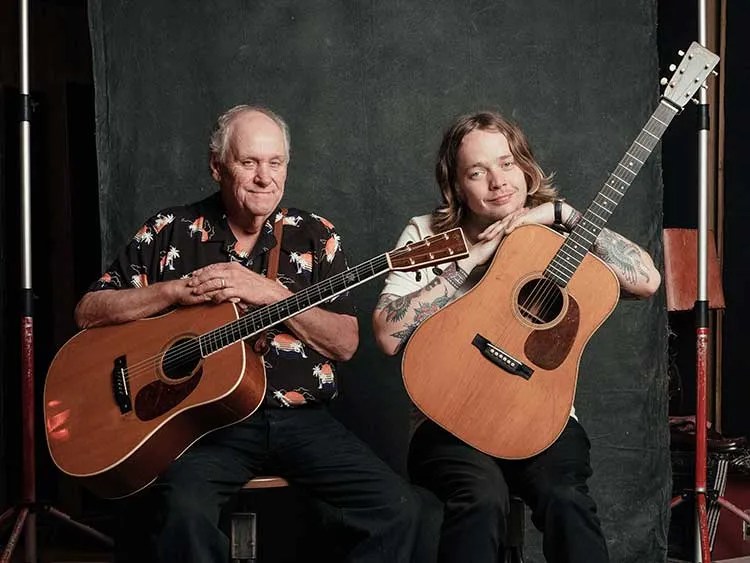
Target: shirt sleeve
138,263
402,283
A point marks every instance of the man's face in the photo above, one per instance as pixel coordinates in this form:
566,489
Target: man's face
491,182
253,172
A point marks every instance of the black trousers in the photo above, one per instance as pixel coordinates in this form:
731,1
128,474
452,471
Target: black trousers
309,447
474,489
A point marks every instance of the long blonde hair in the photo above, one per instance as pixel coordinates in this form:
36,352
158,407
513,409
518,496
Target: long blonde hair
451,213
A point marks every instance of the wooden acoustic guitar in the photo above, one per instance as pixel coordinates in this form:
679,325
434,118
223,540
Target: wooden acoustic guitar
498,367
122,402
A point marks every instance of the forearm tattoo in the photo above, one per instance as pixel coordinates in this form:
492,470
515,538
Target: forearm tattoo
454,275
622,255
396,309
422,311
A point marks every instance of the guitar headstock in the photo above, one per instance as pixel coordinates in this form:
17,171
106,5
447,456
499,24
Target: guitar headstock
690,74
443,247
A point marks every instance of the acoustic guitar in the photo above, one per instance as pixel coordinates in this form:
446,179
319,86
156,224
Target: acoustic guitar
122,402
498,367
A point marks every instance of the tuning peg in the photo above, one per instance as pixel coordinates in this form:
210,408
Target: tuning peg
714,73
704,86
681,52
672,68
664,81
696,101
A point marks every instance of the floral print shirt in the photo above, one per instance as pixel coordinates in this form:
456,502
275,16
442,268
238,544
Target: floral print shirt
176,241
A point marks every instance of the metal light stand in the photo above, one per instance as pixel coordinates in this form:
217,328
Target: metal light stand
29,507
702,543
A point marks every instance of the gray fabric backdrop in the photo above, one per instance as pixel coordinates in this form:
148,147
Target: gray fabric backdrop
367,88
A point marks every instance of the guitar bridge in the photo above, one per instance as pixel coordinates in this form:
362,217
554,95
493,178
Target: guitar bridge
120,386
500,358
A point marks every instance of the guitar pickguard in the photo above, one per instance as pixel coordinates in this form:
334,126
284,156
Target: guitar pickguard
548,348
156,398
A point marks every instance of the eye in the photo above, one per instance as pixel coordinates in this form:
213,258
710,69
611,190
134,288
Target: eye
475,174
508,164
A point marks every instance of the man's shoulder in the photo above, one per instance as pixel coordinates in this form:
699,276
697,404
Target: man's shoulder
307,221
210,205
423,223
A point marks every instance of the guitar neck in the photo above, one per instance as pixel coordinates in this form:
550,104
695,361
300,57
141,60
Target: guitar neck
263,318
584,235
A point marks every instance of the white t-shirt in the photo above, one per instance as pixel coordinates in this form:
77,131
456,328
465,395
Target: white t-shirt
403,283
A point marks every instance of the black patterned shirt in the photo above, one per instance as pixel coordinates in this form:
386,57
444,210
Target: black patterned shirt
176,241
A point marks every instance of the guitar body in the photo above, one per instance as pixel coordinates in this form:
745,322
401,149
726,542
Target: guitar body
117,453
520,316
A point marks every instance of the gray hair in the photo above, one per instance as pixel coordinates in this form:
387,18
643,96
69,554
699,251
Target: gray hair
217,144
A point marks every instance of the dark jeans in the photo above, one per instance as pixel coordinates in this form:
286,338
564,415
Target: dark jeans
307,446
474,490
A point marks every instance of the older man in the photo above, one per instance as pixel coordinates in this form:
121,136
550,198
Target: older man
219,250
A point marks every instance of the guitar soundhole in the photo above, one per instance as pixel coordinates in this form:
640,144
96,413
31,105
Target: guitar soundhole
540,301
181,358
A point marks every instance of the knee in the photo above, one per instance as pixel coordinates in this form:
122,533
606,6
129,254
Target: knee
481,499
566,501
406,507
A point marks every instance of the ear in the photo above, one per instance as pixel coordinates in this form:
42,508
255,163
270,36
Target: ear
215,165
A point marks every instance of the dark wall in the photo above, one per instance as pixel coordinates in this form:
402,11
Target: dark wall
367,89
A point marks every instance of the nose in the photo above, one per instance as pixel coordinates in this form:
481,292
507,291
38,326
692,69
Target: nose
498,178
263,175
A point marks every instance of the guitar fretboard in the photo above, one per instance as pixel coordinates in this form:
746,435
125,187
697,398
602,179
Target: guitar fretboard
584,235
263,318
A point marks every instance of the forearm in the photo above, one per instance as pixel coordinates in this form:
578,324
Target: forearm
632,265
334,335
396,317
111,306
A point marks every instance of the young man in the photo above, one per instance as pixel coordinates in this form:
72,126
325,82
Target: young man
490,185
217,250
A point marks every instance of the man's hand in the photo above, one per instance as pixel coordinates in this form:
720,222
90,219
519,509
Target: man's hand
233,282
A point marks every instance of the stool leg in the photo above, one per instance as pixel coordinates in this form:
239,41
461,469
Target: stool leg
244,537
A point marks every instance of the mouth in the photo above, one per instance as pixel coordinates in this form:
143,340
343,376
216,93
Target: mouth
500,200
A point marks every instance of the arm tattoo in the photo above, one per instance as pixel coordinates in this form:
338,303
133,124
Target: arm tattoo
454,275
421,312
621,254
396,306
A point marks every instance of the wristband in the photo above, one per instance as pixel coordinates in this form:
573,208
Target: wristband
558,212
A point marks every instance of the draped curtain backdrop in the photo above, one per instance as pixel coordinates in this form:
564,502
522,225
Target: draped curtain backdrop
367,89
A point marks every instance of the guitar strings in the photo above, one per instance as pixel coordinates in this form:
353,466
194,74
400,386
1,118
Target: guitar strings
174,356
543,296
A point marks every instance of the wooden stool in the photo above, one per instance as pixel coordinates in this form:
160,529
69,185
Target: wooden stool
244,525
